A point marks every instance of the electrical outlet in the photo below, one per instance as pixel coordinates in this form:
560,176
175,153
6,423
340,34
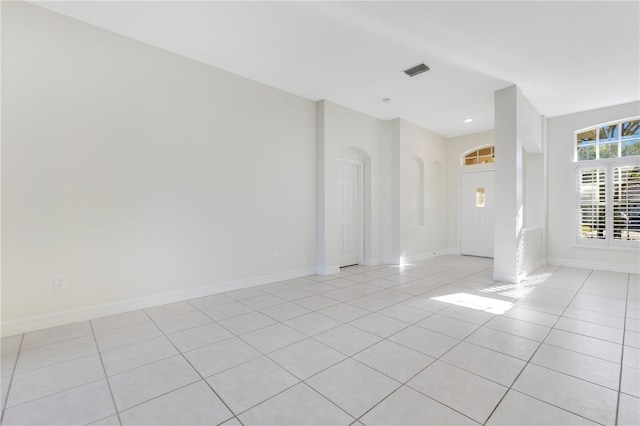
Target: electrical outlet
60,283
276,255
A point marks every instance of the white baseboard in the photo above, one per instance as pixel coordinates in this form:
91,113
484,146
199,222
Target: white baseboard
572,263
25,325
539,264
506,278
424,256
327,270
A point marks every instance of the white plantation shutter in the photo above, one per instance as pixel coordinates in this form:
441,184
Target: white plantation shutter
592,203
626,203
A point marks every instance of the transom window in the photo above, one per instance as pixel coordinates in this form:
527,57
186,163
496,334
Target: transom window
612,140
608,184
481,156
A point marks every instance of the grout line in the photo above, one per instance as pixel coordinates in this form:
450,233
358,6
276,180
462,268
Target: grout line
624,333
106,376
13,372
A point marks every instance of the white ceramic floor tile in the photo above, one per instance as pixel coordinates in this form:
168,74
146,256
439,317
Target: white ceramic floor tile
409,407
425,341
77,406
590,329
632,338
405,313
508,344
369,303
211,301
312,323
449,326
342,294
144,383
316,302
133,356
272,338
284,311
306,358
7,364
396,361
540,306
484,362
181,322
522,410
392,295
628,411
293,294
630,381
43,356
4,389
178,308
198,337
631,357
263,301
245,293
584,344
220,356
228,310
353,386
10,344
111,322
296,406
232,422
540,318
127,335
347,339
56,334
106,421
194,404
519,328
467,314
586,399
476,398
380,325
595,317
246,323
249,384
344,312
55,378
585,367
425,304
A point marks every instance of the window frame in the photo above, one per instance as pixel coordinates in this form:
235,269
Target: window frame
609,164
597,129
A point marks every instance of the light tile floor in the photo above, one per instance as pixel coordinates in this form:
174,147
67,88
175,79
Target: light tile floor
436,342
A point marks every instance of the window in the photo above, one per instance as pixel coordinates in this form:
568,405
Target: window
481,156
608,184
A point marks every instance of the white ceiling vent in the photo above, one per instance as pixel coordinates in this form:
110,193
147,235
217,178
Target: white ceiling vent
418,69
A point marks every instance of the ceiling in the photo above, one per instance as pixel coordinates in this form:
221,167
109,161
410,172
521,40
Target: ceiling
565,56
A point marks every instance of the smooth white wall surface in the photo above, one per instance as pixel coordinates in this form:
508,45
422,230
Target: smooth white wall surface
422,157
562,192
456,147
135,172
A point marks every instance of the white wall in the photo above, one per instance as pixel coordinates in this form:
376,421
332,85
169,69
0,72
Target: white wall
456,147
135,172
345,133
423,184
561,192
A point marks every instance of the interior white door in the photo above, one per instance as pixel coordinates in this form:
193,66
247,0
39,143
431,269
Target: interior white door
476,213
348,222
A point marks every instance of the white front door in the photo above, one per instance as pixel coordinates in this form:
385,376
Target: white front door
349,213
476,213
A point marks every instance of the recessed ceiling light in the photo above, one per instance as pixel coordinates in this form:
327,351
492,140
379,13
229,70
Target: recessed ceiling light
386,100
468,120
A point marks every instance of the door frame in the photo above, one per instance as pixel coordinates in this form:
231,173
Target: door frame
481,168
359,203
